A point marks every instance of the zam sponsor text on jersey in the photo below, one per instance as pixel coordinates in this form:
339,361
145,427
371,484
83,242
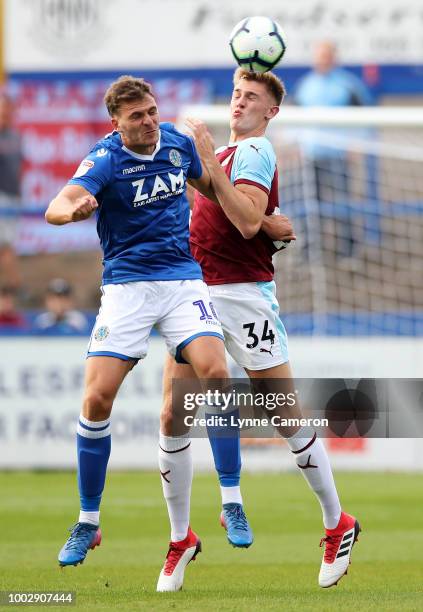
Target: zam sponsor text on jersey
143,213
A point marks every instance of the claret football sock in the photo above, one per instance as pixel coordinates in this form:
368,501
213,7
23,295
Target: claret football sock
93,447
175,463
226,449
313,461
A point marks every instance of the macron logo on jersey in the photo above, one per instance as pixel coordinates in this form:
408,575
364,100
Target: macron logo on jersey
161,188
133,169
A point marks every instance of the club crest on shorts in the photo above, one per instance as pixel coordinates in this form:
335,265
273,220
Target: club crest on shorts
175,157
101,333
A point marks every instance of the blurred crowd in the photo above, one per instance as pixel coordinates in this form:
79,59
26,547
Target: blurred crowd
59,316
10,174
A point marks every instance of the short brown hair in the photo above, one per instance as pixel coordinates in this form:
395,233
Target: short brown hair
273,84
125,89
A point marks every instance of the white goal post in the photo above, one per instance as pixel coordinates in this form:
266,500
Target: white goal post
359,116
351,180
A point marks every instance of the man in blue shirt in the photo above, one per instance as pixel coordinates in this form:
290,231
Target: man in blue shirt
134,180
328,84
60,318
324,148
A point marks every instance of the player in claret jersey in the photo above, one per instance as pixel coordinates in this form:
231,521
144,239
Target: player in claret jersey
235,255
135,180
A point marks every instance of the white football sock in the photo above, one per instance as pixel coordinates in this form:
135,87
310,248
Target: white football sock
231,495
313,461
93,518
175,463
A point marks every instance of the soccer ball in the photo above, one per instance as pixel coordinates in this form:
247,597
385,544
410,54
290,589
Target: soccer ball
257,43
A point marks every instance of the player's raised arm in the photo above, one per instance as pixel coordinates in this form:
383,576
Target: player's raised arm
203,185
73,203
243,204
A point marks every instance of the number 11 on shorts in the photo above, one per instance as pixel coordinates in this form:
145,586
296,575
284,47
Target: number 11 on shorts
204,312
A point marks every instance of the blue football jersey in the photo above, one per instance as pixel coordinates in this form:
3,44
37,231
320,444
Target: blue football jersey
143,213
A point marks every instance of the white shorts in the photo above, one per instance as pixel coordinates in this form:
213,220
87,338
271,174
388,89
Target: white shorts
249,313
181,311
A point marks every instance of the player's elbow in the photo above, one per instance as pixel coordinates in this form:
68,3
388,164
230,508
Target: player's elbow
249,230
51,215
48,216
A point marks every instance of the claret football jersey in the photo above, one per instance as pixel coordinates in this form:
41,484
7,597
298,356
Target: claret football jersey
143,213
224,255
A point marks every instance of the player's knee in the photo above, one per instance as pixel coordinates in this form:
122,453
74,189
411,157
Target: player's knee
213,370
166,419
97,405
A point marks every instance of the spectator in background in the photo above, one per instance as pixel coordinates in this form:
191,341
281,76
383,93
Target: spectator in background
325,149
10,179
10,317
60,317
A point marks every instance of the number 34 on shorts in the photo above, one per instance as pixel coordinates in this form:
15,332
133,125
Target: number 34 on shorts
255,337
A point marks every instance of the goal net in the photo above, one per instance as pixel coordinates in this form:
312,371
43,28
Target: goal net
351,181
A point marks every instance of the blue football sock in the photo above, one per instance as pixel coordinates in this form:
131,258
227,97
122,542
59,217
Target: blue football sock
93,446
226,448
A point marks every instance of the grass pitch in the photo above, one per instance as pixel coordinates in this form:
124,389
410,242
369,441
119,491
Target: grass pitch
279,572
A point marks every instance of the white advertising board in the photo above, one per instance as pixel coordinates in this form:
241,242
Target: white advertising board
41,383
105,34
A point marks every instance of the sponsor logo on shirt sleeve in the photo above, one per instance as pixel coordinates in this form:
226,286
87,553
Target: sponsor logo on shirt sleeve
83,168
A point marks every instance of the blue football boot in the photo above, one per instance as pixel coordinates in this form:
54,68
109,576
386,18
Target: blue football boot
83,537
235,522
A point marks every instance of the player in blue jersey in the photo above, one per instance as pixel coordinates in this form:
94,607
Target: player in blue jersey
135,179
236,259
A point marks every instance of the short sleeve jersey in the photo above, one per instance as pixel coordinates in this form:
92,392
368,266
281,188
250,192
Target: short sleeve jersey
224,255
143,213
